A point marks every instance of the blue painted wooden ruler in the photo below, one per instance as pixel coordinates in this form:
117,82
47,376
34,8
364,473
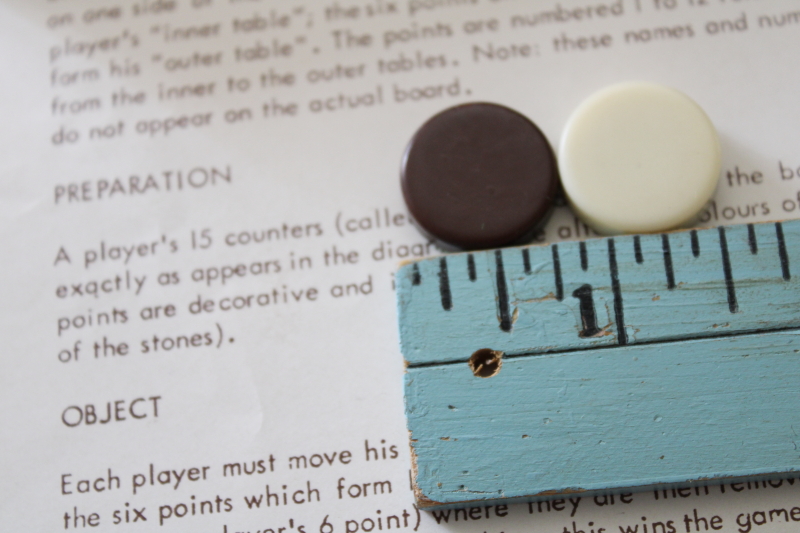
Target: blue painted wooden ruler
616,364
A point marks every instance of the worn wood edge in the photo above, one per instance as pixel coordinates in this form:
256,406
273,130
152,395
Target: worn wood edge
426,504
406,263
422,501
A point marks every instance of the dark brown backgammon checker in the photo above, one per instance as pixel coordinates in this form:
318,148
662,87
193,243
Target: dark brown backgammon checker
479,176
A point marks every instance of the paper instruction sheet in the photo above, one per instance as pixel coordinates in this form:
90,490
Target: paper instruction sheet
201,217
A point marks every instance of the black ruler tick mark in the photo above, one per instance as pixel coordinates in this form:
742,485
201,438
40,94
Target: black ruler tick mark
557,272
751,239
695,243
782,252
444,285
637,249
471,267
586,306
733,305
622,336
502,293
526,260
668,261
584,256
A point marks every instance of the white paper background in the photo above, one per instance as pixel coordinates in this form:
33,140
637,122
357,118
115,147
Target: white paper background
313,377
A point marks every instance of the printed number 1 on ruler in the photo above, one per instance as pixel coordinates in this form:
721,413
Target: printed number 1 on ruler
607,365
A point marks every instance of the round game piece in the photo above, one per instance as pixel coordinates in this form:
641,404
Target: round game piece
639,157
479,176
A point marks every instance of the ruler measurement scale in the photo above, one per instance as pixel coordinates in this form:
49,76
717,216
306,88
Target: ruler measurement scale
585,290
509,285
689,293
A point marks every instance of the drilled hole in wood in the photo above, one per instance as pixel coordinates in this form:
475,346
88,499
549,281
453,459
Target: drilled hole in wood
486,362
